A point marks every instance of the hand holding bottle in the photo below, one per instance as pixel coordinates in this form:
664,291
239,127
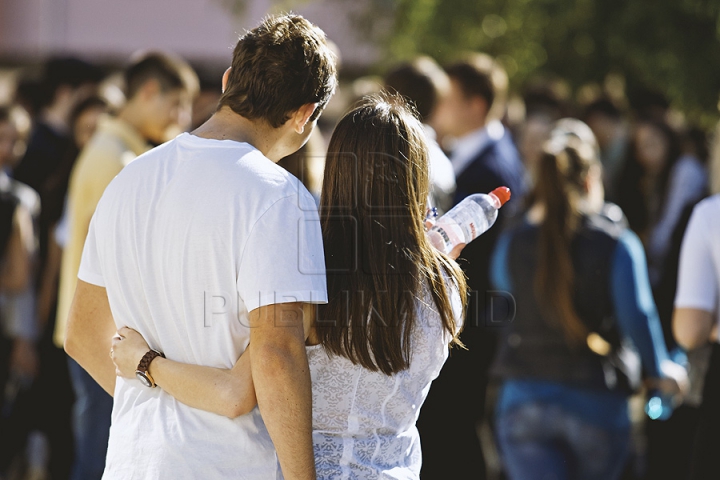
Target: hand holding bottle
430,220
466,221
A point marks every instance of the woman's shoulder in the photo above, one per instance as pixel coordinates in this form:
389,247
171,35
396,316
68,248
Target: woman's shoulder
428,315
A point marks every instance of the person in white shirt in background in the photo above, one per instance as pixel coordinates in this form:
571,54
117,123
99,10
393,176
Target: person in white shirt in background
695,323
209,249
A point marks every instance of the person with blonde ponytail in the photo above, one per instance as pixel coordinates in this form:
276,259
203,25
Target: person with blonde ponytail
584,321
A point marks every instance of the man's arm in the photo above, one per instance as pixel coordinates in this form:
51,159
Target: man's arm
89,333
281,376
692,327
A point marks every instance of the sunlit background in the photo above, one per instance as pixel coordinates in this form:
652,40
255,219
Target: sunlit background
619,46
637,53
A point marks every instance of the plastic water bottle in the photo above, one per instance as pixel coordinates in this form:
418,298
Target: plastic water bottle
660,406
468,219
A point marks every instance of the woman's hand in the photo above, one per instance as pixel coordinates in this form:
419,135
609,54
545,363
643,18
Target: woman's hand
429,223
128,348
673,381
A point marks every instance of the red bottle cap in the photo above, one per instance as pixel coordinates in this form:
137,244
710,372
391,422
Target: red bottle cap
502,194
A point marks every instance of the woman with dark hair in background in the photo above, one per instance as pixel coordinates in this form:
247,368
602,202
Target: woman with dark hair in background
643,184
394,306
580,285
670,442
687,184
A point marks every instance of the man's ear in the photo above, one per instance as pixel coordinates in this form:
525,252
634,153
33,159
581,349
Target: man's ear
302,116
225,77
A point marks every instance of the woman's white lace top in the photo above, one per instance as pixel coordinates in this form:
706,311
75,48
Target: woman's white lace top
364,421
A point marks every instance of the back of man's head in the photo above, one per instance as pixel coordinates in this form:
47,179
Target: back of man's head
422,81
277,68
70,72
480,75
170,72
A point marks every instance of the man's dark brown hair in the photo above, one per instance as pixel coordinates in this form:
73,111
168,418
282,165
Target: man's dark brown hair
278,67
480,75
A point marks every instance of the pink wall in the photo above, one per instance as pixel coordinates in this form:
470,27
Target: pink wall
201,30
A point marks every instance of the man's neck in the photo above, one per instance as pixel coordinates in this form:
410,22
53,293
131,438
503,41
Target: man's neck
133,116
227,125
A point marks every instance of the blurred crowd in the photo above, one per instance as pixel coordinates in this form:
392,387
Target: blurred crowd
621,163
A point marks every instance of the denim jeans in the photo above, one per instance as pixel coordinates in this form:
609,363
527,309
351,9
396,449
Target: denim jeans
91,424
541,441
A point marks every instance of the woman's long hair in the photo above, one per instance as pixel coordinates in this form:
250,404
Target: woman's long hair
561,184
377,256
632,192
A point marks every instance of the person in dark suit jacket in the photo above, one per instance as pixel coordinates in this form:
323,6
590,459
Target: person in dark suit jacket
484,157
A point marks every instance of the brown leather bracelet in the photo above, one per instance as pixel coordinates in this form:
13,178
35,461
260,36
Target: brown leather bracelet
142,372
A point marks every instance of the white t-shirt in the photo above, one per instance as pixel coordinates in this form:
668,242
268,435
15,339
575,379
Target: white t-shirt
699,273
187,240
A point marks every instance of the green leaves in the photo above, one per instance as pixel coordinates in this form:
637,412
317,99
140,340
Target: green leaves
669,45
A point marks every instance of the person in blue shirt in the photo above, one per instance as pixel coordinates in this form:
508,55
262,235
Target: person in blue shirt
584,321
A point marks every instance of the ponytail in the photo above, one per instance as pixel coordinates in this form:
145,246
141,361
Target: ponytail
560,178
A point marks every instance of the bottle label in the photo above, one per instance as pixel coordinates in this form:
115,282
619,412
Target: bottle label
473,231
444,234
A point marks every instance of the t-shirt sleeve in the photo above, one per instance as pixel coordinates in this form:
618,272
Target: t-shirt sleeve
90,266
283,259
697,285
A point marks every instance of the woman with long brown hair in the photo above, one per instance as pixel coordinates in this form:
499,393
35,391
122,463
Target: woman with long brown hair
394,306
581,288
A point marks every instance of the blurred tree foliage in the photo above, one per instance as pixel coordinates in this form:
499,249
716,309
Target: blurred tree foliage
672,46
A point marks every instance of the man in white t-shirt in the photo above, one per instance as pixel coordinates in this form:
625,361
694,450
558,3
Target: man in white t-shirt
196,242
698,289
695,323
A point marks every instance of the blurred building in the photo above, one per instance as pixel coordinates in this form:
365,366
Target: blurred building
202,31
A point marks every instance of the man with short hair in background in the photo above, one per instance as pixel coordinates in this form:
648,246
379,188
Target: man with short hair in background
484,157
